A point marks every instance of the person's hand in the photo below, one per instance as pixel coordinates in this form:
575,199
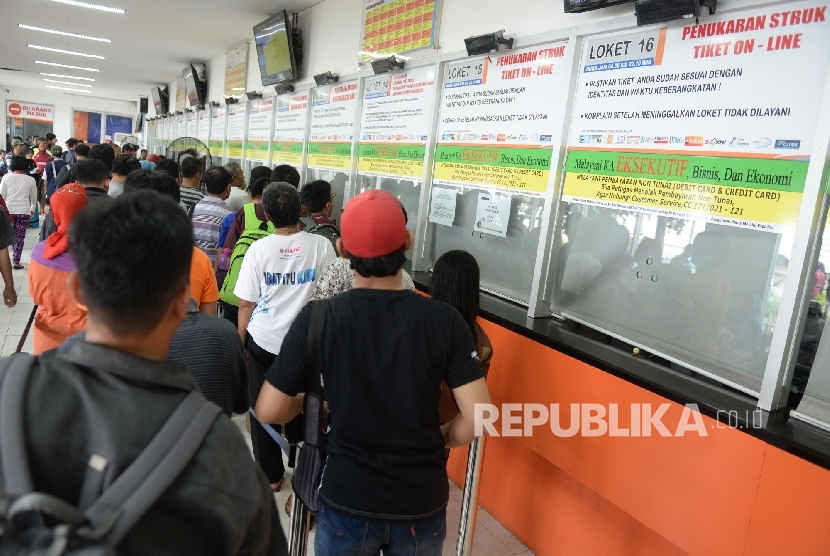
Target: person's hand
9,297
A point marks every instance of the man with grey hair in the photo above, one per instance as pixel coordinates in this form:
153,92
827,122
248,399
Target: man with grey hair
238,196
277,278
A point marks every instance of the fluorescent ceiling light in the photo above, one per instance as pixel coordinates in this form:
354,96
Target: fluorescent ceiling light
62,51
92,6
64,66
75,35
66,89
67,76
68,83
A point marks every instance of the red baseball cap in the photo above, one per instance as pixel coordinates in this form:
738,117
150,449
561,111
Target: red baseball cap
373,225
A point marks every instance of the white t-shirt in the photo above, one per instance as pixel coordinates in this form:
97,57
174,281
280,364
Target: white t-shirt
20,193
238,198
279,274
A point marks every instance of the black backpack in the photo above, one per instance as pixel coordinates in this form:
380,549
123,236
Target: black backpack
40,524
328,231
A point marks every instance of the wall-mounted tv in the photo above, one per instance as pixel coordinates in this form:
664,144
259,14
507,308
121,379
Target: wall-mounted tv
195,85
275,49
160,99
576,6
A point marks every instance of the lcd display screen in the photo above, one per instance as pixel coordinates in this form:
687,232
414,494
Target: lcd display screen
195,89
274,49
576,6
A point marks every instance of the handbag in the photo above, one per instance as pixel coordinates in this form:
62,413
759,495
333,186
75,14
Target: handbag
309,470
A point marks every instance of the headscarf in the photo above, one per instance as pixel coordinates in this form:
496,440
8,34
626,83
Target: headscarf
66,202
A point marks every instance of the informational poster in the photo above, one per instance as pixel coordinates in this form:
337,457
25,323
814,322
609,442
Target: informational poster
236,65
397,26
442,206
395,124
259,129
235,134
712,121
203,132
181,125
29,112
192,123
492,214
290,128
217,131
496,125
332,126
181,94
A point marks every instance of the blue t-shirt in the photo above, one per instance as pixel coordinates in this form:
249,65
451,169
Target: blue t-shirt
227,224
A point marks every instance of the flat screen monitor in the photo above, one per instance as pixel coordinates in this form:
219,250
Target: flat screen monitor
576,6
650,12
159,99
275,49
196,88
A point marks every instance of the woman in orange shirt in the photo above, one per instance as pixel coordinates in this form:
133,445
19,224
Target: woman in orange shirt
59,316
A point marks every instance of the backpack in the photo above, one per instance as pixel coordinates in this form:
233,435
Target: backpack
40,524
254,229
328,231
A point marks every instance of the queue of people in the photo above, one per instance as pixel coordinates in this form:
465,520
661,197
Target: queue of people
127,278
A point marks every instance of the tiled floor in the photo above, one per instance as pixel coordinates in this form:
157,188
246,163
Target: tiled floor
491,539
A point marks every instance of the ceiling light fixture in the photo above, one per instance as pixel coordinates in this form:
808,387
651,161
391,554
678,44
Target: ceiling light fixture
64,66
91,6
64,33
66,89
62,51
67,76
68,83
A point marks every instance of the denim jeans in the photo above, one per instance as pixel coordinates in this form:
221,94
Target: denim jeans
339,535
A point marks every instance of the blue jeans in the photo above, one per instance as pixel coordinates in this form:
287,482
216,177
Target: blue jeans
339,535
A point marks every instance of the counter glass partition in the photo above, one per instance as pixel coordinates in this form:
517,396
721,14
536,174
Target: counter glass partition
700,293
408,192
339,185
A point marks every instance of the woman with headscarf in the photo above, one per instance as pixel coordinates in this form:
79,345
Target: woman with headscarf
59,316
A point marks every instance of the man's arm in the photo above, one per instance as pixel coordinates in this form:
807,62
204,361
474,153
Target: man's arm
209,308
9,295
461,430
246,309
276,407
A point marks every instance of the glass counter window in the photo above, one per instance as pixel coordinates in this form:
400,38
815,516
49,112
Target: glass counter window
339,186
500,230
703,294
408,192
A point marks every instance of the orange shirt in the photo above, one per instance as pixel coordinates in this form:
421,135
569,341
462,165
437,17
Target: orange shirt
58,316
203,286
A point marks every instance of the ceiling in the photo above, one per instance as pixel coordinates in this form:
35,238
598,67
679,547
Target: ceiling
151,42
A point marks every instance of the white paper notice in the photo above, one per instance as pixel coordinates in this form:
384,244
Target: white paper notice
442,207
492,214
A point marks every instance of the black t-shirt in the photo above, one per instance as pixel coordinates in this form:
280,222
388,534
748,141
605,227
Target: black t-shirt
384,355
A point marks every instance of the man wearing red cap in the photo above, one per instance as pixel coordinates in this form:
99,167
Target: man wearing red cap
384,352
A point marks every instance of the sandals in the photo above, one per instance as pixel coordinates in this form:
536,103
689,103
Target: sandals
278,487
18,267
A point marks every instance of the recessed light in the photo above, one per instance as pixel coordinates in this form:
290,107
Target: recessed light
91,6
67,83
53,31
66,89
62,51
67,76
64,66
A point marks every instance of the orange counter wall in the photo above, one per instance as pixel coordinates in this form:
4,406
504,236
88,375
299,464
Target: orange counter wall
724,494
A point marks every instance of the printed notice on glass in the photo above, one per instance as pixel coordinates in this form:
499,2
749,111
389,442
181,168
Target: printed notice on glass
181,125
442,206
496,124
290,128
712,121
259,129
217,131
204,126
236,64
181,94
395,124
332,126
235,134
492,214
192,119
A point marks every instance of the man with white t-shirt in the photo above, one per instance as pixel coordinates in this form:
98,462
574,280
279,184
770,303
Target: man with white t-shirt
276,280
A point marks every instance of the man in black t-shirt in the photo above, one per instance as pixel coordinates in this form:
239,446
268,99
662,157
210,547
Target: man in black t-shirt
384,352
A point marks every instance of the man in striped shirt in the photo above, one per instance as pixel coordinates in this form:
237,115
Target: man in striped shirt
191,168
209,213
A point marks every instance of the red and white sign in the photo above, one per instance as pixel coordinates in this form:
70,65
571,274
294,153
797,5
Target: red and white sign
27,111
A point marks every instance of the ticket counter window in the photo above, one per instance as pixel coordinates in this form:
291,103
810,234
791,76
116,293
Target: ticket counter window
408,192
705,295
810,385
500,230
339,185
